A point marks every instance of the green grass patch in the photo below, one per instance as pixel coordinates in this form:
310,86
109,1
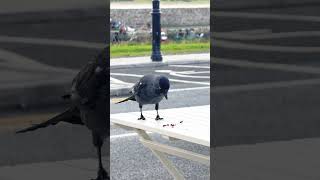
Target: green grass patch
143,49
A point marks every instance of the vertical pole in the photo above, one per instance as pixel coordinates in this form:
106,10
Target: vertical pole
156,31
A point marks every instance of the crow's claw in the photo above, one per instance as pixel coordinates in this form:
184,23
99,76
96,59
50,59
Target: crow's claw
158,118
142,118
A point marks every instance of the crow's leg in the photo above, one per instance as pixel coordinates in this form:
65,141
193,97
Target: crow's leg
141,116
102,173
158,117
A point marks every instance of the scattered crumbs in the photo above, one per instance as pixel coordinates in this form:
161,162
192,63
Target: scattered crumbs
172,125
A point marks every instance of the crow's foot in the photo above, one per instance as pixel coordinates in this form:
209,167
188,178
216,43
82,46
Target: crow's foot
102,175
158,118
142,118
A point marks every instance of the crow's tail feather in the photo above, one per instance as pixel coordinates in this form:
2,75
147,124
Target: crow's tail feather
132,98
66,116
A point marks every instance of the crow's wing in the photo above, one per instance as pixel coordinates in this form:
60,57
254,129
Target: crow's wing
91,84
137,88
69,116
85,83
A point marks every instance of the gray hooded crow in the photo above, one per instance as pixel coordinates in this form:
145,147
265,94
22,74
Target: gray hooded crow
150,89
88,104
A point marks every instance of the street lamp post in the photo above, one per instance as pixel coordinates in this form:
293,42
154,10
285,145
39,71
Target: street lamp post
156,31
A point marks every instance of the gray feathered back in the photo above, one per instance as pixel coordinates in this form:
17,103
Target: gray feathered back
147,90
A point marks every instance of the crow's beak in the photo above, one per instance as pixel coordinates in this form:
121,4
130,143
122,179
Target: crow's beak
166,96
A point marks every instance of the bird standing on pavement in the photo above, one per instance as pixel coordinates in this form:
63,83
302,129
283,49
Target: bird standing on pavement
88,107
150,89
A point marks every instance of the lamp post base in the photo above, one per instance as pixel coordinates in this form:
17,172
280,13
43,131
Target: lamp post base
156,56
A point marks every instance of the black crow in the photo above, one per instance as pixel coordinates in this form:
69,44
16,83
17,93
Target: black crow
150,89
88,105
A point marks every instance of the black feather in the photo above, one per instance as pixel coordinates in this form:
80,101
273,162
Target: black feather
131,98
69,116
66,96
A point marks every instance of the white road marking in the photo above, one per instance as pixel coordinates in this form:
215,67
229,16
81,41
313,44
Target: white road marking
52,42
250,15
185,74
189,89
190,82
240,36
173,80
194,72
128,75
262,86
247,46
114,80
273,66
190,66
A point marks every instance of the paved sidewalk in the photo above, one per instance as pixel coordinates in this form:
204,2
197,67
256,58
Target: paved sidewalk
118,88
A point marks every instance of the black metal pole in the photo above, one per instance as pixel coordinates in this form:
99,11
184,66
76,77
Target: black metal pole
156,31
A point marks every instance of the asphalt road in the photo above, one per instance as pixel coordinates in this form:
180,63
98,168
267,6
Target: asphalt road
129,158
181,76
